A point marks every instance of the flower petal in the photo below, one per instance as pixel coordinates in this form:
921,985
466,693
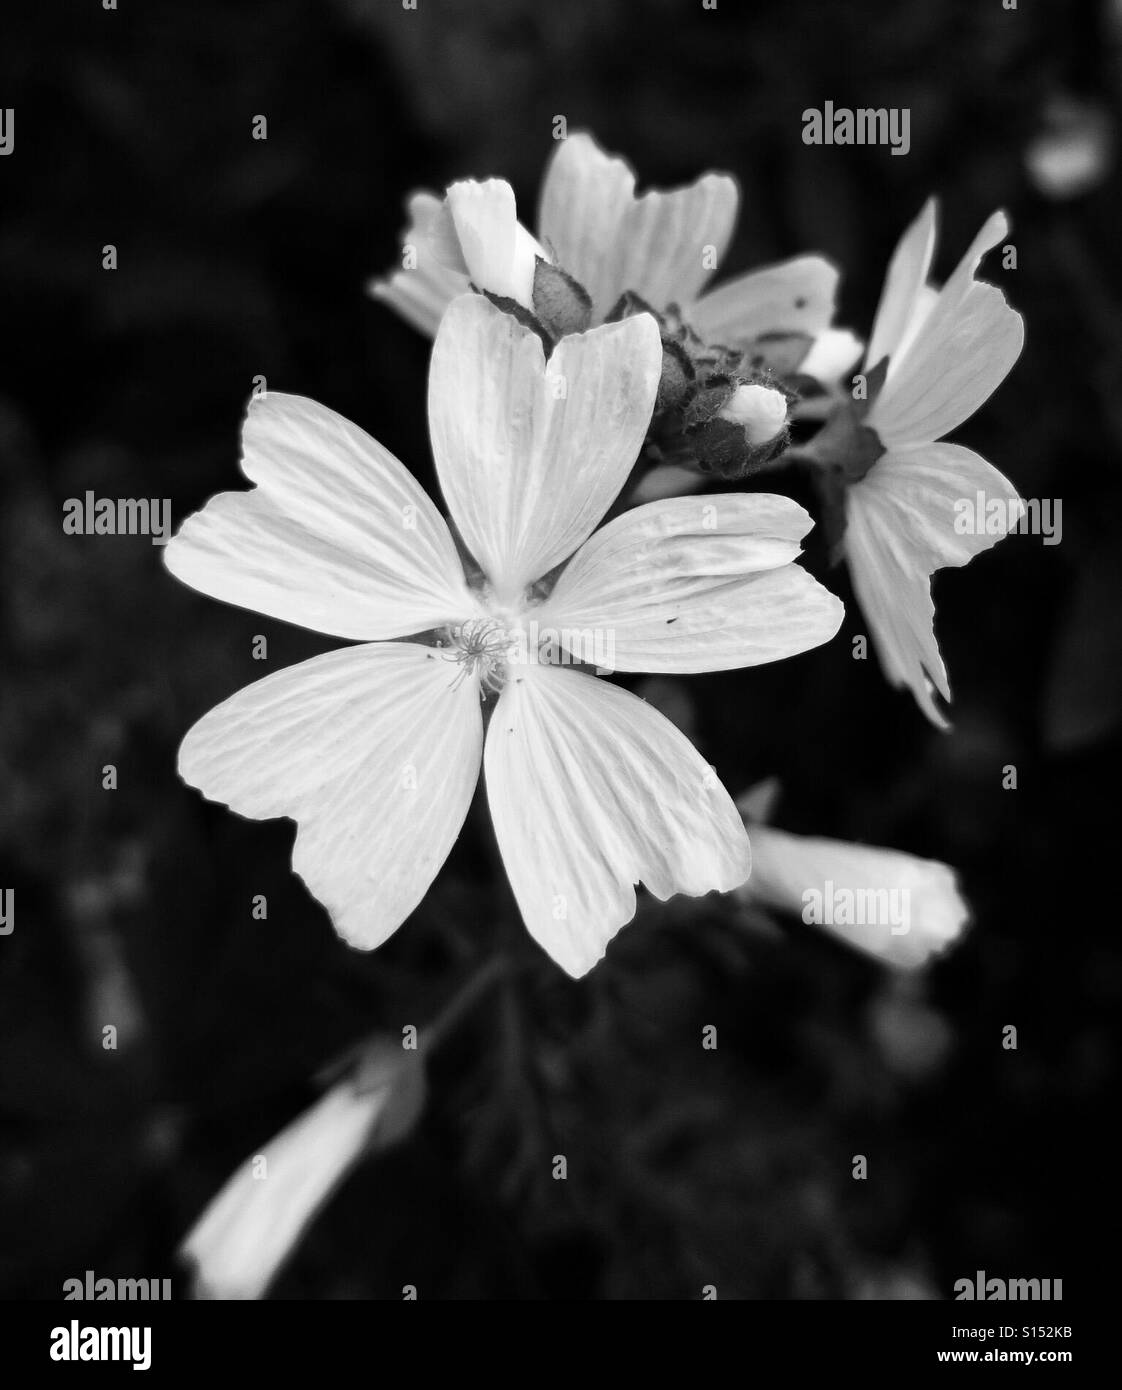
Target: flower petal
661,245
254,1223
374,751
907,277
531,454
900,528
968,342
692,584
498,252
833,354
337,536
592,791
421,294
915,904
795,296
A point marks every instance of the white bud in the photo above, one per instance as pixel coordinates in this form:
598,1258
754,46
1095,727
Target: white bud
785,868
760,410
249,1230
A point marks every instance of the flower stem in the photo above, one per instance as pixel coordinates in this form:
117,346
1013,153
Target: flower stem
464,1000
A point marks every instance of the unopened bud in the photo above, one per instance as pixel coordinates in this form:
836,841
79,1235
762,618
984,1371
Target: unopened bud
677,377
760,411
249,1230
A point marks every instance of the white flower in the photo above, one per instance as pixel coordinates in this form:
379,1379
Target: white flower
375,750
947,351
248,1231
789,870
662,246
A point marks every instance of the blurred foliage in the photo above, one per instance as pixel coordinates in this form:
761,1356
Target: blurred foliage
686,1167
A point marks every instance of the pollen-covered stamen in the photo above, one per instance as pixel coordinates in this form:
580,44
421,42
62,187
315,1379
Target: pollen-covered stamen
481,647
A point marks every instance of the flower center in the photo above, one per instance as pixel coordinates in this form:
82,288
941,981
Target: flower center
482,647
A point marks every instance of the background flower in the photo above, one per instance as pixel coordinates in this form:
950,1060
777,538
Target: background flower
661,245
946,350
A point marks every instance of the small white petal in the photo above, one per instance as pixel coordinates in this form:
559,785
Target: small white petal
833,354
925,301
592,791
498,252
900,528
422,293
795,296
912,908
531,454
374,751
955,358
692,584
662,245
337,536
420,299
436,228
897,605
907,277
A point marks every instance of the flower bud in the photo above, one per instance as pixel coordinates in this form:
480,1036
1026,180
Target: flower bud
677,378
255,1222
903,910
560,303
760,411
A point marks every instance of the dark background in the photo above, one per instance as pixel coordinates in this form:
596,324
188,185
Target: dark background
239,257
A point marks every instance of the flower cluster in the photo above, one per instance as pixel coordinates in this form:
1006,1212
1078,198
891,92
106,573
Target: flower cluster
567,366
594,409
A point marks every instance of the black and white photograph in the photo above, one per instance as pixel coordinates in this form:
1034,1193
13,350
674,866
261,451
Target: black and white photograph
560,669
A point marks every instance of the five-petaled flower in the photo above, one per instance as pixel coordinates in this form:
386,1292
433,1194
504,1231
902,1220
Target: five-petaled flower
946,352
661,246
375,750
